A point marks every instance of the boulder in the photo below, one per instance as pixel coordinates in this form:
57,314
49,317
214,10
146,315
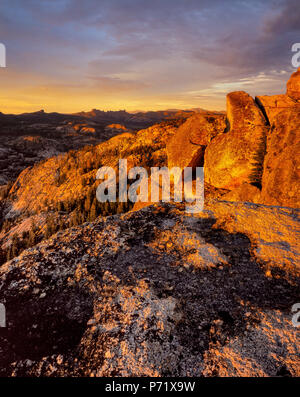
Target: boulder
274,104
281,175
243,113
186,148
229,157
244,192
293,86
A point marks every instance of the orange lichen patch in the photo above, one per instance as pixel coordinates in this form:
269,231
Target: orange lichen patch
81,273
238,358
135,311
229,362
111,240
192,247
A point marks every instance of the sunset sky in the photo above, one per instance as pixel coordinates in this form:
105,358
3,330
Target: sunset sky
73,55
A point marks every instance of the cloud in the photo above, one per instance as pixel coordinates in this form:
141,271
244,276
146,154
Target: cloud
115,85
149,49
285,20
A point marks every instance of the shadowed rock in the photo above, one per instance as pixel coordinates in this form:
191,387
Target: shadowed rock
281,175
228,158
186,148
157,292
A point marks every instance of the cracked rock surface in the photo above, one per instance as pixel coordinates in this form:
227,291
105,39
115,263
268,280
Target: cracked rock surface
157,292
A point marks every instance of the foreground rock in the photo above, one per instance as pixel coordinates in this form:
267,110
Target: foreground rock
186,148
293,86
281,175
229,157
157,292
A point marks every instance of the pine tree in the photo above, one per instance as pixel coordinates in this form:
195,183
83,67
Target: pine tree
50,227
93,212
60,206
15,245
32,238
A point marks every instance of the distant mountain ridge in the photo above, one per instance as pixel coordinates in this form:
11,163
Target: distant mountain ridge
138,119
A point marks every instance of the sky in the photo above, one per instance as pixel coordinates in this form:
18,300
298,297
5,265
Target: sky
74,55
